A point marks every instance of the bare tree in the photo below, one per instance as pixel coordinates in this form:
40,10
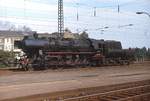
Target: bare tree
11,27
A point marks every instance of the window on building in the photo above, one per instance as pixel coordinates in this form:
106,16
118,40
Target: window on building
1,40
1,47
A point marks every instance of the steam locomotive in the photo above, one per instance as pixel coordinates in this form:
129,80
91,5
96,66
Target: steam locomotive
82,51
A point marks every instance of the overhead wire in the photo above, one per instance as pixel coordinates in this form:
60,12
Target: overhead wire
80,5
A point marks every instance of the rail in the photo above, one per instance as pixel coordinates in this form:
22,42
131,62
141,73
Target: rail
128,94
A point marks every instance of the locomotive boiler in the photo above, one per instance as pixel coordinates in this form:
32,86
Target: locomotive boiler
82,51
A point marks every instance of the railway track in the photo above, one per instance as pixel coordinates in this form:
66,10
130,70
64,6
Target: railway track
139,93
131,91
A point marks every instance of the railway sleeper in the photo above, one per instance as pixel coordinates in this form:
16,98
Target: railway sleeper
140,97
128,94
112,97
120,95
135,92
117,97
89,99
106,99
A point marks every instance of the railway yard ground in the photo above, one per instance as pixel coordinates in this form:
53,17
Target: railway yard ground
109,83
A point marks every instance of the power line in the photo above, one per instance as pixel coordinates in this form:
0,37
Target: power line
82,15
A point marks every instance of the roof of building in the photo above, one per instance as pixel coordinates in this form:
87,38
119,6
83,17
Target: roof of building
5,33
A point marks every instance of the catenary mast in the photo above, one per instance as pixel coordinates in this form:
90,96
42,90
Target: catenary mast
60,19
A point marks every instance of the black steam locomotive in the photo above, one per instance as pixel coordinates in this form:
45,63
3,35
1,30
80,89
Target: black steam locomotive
82,51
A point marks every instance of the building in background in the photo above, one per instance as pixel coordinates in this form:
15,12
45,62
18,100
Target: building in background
7,39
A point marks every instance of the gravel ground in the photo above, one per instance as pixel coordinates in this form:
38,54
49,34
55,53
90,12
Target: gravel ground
18,83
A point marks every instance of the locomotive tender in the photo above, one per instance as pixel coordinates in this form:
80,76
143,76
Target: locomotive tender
82,51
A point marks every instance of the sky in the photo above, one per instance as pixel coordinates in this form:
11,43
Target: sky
41,16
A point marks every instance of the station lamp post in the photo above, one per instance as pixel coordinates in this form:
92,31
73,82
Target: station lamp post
148,16
125,25
143,13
